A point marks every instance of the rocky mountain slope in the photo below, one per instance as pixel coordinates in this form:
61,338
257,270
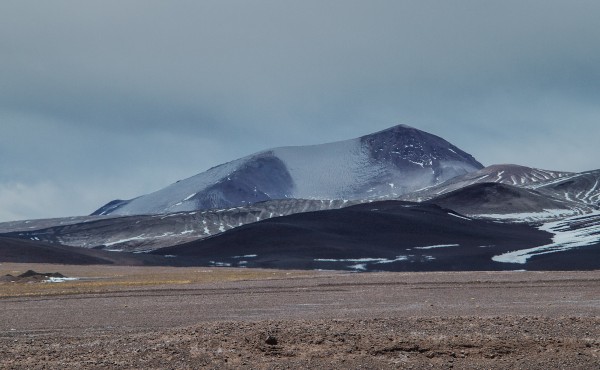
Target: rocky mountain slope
517,193
148,232
507,202
581,187
509,174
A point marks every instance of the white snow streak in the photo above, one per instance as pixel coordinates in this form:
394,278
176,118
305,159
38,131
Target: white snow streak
464,218
532,216
189,196
439,246
139,237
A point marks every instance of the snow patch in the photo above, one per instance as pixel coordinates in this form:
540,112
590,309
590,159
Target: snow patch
59,279
570,233
220,264
359,267
439,246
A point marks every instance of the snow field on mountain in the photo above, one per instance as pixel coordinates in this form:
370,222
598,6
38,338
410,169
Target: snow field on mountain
328,171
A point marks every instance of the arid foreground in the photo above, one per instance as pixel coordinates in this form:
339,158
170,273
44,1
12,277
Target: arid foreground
155,318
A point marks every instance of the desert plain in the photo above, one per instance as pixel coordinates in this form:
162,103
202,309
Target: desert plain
116,317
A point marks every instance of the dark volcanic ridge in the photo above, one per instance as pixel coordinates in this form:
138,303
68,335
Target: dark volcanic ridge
379,236
375,236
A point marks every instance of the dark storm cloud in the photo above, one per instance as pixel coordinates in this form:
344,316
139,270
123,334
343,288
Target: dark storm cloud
118,98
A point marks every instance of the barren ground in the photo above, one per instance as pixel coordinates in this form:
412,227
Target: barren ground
160,317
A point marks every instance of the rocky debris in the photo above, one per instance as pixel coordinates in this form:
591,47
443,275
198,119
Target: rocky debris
31,273
497,342
7,278
31,276
484,320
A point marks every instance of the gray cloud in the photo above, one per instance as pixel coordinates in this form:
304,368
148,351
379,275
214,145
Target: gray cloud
119,98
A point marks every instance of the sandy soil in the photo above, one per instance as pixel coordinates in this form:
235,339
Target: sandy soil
156,318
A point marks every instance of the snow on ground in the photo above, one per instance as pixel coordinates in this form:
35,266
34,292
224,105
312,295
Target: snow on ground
360,264
359,267
570,233
376,260
220,264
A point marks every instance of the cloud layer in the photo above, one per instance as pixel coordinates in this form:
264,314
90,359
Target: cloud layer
120,98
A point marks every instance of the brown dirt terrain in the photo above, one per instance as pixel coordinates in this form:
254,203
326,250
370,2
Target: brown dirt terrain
157,318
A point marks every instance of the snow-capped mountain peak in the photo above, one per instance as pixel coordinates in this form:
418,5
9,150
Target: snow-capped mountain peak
391,162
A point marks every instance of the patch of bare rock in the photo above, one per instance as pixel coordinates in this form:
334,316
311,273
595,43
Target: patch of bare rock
30,276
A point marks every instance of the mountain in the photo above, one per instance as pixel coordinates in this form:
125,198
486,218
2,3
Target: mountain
143,233
388,163
339,206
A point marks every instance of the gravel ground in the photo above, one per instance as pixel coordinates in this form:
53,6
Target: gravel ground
475,320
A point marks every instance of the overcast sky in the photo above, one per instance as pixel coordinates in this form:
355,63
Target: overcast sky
113,99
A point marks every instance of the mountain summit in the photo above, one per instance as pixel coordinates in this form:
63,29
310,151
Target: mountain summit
387,163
